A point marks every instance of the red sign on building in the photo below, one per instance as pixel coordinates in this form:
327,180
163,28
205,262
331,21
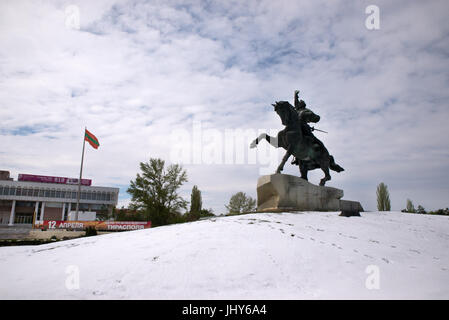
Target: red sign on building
50,179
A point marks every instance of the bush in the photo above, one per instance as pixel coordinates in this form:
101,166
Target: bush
410,207
128,215
444,212
207,213
91,231
421,210
178,218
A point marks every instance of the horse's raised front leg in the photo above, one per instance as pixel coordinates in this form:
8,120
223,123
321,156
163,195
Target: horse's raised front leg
271,140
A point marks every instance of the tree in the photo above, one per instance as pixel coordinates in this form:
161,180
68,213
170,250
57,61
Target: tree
154,191
196,204
240,203
410,207
421,210
383,198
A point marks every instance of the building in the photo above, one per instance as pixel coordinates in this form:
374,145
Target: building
51,198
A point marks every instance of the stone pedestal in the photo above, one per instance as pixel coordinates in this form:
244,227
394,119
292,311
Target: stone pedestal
283,192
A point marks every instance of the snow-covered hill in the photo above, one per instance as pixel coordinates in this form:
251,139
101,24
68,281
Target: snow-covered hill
314,255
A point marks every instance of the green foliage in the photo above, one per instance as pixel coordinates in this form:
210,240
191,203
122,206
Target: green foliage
91,231
421,210
196,203
410,207
154,191
383,198
123,214
241,203
207,213
178,218
444,212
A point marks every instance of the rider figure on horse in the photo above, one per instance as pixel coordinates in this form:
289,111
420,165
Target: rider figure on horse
305,116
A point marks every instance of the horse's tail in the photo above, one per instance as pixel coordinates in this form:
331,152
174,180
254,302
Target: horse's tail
333,165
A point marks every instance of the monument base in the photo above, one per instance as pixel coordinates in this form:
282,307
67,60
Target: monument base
283,192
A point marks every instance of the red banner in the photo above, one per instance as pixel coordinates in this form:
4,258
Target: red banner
99,225
50,179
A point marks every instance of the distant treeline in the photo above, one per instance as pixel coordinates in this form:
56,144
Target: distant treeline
410,208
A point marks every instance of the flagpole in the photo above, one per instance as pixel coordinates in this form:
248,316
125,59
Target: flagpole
81,173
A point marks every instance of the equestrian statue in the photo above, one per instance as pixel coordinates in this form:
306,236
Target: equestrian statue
298,139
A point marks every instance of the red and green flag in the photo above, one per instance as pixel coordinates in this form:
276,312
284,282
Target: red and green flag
89,137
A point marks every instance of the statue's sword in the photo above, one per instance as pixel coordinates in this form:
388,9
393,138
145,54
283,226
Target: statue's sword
313,129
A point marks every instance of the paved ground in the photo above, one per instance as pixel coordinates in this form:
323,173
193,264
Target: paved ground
14,232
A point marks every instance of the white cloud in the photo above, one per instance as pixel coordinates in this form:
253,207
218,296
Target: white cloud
137,70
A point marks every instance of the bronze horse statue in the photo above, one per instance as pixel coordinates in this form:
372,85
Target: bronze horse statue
308,150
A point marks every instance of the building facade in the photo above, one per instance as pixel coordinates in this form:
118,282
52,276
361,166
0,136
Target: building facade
53,200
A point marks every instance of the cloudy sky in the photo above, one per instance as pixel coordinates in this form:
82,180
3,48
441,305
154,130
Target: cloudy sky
136,73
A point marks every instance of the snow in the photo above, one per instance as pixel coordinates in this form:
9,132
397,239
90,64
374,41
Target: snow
312,255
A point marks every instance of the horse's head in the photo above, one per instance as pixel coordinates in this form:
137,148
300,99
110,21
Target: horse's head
285,111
